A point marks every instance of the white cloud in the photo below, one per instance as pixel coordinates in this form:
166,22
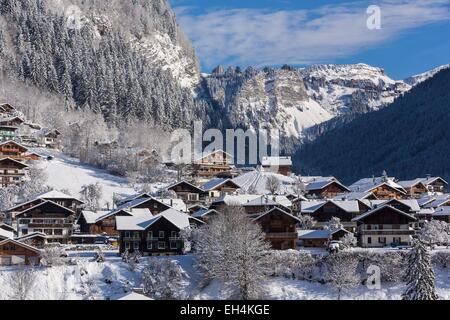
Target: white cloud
265,37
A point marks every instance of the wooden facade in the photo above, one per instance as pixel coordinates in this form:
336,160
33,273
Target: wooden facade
50,218
385,191
280,228
329,191
211,165
13,252
190,193
384,226
13,150
12,172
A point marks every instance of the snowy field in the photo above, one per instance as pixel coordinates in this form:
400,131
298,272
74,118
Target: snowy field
113,278
65,173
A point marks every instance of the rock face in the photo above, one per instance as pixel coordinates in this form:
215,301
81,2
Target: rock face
294,100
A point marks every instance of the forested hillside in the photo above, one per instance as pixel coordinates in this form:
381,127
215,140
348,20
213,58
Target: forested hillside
408,139
100,65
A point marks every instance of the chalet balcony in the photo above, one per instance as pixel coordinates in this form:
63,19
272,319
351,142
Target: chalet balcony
174,238
387,232
50,225
132,239
282,235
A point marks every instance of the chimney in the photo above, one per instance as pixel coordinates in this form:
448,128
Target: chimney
428,176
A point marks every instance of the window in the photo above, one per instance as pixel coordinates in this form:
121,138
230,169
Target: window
149,245
136,245
127,234
382,240
150,235
58,232
173,234
369,240
48,232
173,245
24,232
193,197
161,234
136,235
127,245
161,245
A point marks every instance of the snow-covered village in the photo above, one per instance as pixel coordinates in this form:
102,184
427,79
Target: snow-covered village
135,166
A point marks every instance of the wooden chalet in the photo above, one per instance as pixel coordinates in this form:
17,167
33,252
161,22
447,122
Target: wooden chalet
13,150
324,210
49,138
266,203
103,222
204,214
154,234
13,121
211,164
319,238
435,184
279,227
325,188
381,187
190,193
48,217
7,109
281,165
35,239
13,252
12,172
384,226
219,187
414,188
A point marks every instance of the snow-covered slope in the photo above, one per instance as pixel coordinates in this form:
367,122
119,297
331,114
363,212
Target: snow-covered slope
65,173
257,180
293,100
415,80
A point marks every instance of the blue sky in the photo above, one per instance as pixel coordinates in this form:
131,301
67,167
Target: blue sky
414,34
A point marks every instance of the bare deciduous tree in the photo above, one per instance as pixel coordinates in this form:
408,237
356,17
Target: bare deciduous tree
273,184
21,282
342,272
232,248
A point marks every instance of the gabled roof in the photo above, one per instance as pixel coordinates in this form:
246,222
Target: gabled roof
411,203
346,205
31,236
16,143
6,227
204,212
185,182
47,202
370,212
411,183
269,201
20,164
216,183
429,180
438,201
279,210
313,234
177,204
368,184
134,203
20,244
55,194
319,185
134,197
177,218
203,155
354,196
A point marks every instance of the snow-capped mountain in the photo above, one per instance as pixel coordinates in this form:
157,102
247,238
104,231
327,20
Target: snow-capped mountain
293,100
415,80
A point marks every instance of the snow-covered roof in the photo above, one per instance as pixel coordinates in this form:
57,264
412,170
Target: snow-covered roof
21,164
430,180
411,203
319,185
91,216
44,203
425,199
257,180
177,204
55,194
14,142
142,222
203,212
410,183
236,199
133,296
186,182
30,236
313,234
215,183
314,205
276,209
6,234
134,197
368,184
375,210
20,244
442,211
269,200
276,161
438,201
354,196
